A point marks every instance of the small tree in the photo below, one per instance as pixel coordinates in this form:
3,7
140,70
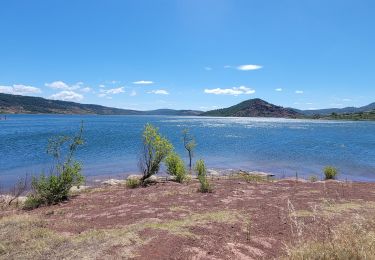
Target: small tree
200,167
189,144
330,172
155,149
176,167
65,174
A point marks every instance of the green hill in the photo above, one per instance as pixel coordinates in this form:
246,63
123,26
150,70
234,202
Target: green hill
254,108
15,104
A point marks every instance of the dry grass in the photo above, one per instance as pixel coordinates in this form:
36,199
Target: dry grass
26,237
349,241
329,208
250,177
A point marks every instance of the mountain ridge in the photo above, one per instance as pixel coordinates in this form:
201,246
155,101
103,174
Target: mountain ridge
17,104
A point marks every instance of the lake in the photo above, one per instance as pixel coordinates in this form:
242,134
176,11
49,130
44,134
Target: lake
112,144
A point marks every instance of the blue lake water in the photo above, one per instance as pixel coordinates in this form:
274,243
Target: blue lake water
112,144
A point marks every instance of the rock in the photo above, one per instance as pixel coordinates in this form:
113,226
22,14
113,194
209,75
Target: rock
211,172
78,188
5,199
113,182
134,176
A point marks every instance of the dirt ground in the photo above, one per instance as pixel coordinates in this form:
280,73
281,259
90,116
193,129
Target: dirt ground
168,220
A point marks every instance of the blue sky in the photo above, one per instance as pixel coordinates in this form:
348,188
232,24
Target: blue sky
190,54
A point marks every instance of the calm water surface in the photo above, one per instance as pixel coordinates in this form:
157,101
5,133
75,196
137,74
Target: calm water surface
112,144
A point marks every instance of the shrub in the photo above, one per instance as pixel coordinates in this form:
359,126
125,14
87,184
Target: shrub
65,174
200,167
133,183
313,178
176,167
155,150
330,173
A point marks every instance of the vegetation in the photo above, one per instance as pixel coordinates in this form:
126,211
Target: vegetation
133,183
313,178
205,186
350,241
254,108
176,167
189,144
370,115
16,104
66,173
252,177
155,149
330,173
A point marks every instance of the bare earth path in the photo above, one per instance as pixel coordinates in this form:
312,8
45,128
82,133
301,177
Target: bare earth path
168,220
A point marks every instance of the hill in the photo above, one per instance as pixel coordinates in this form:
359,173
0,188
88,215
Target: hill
370,115
254,108
345,110
16,104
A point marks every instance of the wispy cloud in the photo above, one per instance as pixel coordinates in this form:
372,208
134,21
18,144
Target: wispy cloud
67,95
249,67
227,66
133,93
158,92
85,90
235,91
279,89
62,85
346,100
143,82
208,68
113,90
19,89
299,92
101,86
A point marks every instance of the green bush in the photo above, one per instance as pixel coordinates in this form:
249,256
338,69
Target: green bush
66,173
313,178
200,168
133,183
330,173
155,150
176,167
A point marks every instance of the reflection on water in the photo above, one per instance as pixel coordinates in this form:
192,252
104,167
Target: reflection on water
281,146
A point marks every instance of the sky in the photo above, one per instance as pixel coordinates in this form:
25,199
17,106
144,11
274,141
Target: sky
190,54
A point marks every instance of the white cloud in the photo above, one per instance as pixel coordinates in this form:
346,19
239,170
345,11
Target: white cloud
113,90
279,89
58,85
249,67
208,68
19,89
346,100
64,86
133,93
143,82
227,67
158,92
67,95
299,92
242,90
101,86
85,89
